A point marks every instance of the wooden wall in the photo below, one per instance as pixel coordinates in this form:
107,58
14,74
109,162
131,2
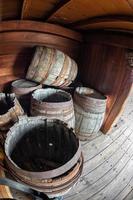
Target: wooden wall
18,42
103,65
105,68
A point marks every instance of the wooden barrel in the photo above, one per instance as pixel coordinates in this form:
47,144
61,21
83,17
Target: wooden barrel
50,66
23,89
90,109
10,109
53,104
45,154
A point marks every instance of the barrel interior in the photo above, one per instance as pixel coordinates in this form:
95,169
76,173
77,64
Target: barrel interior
51,96
6,103
42,147
88,92
24,84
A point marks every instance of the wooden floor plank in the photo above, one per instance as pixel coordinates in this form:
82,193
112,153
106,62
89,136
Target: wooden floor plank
105,155
102,171
100,144
94,191
99,180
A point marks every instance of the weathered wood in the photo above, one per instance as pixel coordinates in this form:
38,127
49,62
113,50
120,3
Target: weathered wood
53,103
10,110
89,106
23,89
54,171
52,67
103,152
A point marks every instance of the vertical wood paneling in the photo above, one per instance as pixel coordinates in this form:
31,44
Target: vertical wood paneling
105,68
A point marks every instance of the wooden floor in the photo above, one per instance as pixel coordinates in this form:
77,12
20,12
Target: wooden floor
108,164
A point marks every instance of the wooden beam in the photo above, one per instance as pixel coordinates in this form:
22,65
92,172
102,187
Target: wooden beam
39,9
57,7
40,27
107,18
25,8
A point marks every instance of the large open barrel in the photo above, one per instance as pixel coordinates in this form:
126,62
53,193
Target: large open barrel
53,104
50,66
44,154
90,108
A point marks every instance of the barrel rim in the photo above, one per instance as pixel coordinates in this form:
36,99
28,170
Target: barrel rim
46,174
64,104
81,95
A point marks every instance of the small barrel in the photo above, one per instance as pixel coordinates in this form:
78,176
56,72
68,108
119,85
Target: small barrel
53,104
23,89
89,106
50,66
45,154
10,109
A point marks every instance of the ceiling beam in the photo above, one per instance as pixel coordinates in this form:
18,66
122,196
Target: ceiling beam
99,19
57,7
47,9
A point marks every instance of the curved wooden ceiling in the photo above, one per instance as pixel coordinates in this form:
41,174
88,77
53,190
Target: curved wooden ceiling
77,14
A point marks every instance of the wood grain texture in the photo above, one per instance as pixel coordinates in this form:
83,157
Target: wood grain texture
14,62
105,69
76,10
66,45
10,9
123,22
24,25
37,9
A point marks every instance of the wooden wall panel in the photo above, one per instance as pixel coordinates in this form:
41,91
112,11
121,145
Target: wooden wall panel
10,9
104,67
18,44
14,65
77,10
66,45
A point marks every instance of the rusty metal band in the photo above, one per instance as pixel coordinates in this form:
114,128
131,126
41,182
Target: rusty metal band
47,174
54,189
